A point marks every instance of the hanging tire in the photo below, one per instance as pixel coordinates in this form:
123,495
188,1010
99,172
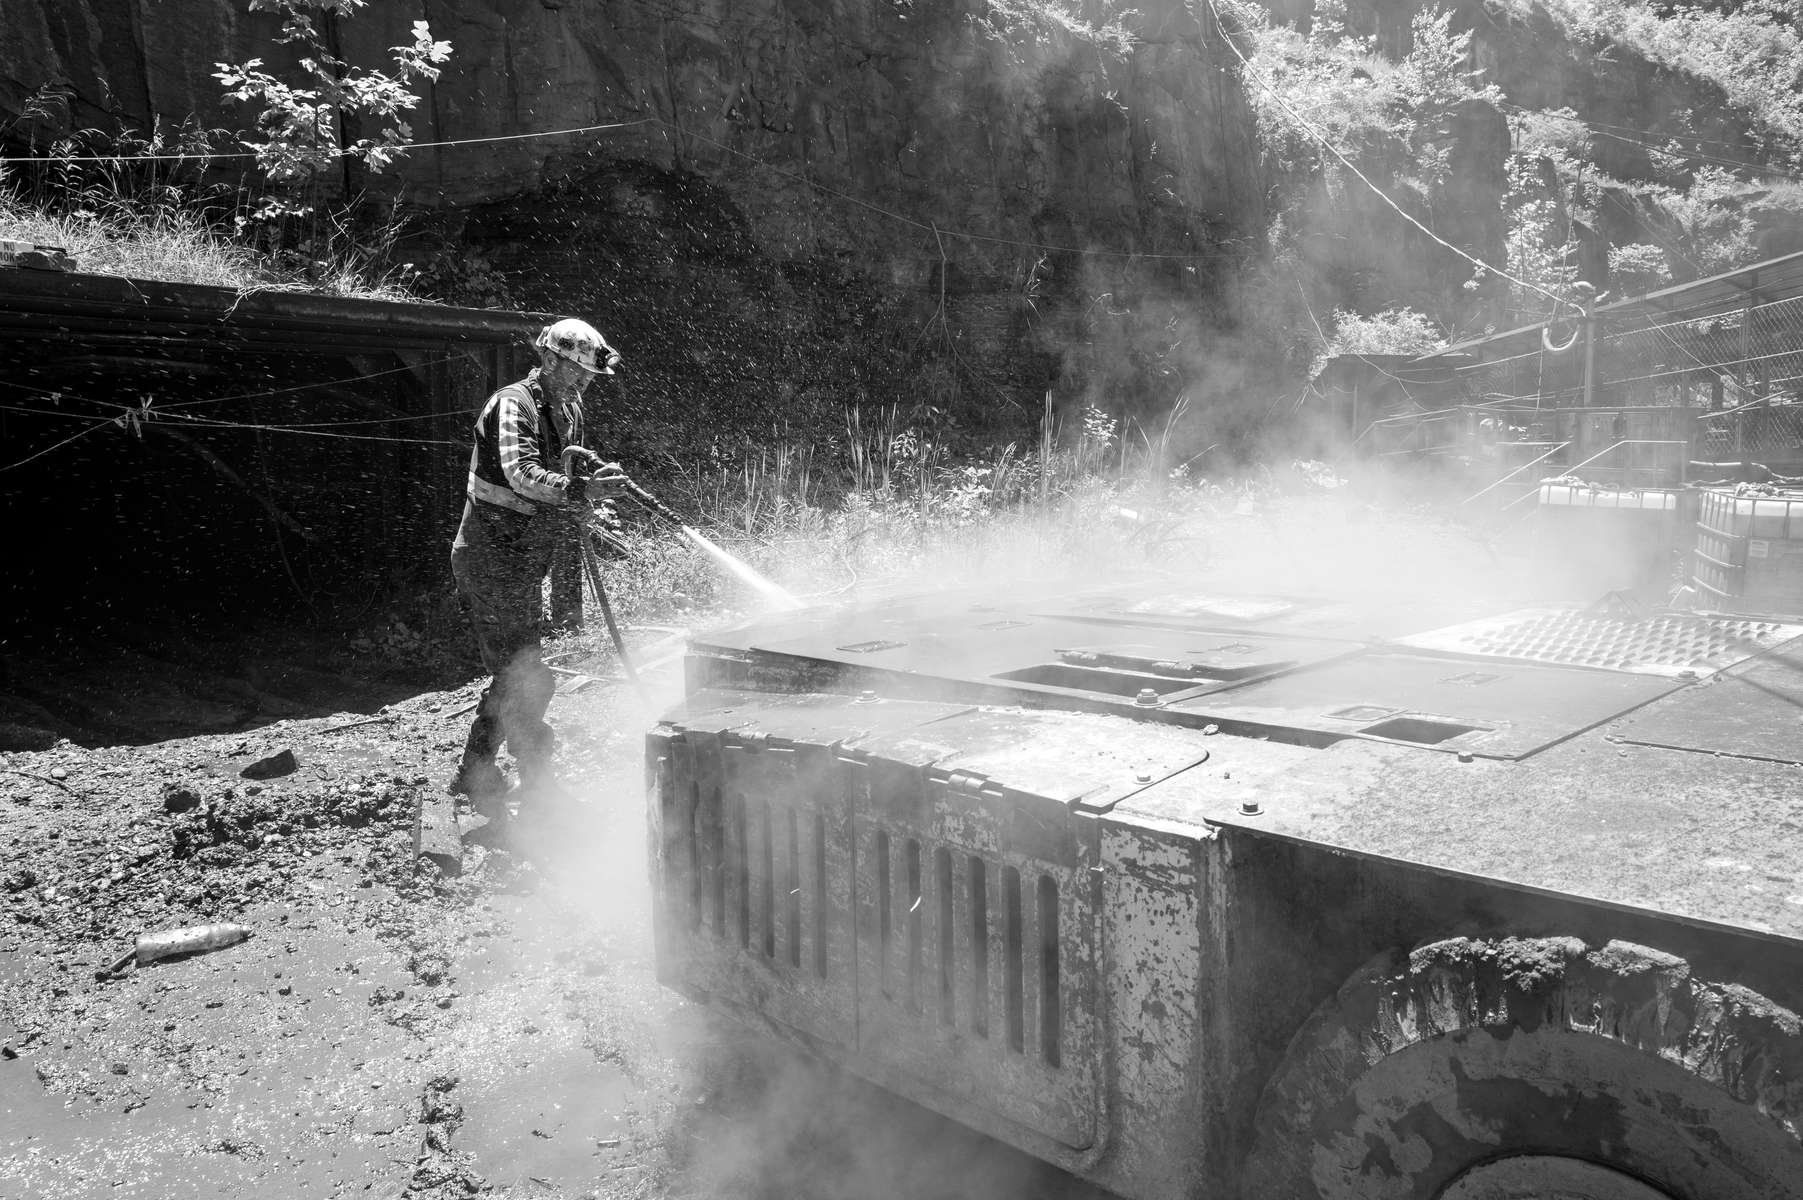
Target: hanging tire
1543,1068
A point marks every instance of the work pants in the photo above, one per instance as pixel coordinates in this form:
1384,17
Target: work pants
500,559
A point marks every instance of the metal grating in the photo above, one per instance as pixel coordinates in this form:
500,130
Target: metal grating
964,944
1660,644
938,929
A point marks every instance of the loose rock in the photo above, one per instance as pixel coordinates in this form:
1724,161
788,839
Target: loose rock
178,798
282,762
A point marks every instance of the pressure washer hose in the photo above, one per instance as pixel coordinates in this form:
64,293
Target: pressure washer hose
592,567
632,489
654,504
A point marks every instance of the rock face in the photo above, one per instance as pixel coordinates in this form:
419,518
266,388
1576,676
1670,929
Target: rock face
995,168
903,101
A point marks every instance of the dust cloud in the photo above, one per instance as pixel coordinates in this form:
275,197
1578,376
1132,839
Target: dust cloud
736,1112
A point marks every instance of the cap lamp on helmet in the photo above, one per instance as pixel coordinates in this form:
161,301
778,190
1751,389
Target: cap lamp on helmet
580,343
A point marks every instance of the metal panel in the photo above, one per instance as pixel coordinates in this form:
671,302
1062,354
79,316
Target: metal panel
998,661
1751,711
1188,607
1090,760
806,717
977,958
755,880
872,890
1490,708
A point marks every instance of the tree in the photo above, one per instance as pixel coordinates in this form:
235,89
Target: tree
303,124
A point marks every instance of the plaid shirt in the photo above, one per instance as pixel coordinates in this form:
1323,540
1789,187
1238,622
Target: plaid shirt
527,453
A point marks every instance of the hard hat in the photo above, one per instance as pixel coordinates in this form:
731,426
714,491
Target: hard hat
579,342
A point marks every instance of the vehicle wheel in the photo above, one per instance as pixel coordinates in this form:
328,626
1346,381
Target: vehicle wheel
1511,1068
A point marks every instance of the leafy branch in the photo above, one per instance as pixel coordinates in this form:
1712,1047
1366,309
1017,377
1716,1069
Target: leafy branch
302,122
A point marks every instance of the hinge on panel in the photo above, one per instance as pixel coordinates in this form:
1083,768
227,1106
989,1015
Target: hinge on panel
970,783
754,740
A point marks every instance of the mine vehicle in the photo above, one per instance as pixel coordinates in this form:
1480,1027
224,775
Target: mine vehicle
1267,896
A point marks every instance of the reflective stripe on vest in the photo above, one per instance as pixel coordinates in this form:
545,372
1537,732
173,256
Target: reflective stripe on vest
485,458
504,497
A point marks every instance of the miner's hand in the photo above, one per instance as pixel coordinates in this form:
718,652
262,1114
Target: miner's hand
607,482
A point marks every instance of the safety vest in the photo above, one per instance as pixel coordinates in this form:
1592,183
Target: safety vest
487,481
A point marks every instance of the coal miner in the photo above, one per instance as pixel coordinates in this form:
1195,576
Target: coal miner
530,481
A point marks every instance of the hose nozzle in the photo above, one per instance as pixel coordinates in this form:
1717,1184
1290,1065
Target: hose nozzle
591,460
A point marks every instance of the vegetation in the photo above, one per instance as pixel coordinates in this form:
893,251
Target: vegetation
1392,331
1751,49
305,127
1337,118
1347,273
154,207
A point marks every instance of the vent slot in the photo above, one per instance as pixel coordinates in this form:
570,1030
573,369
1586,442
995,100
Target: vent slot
1051,1013
872,647
912,899
792,892
1423,731
820,895
942,887
1013,980
979,946
766,865
697,870
885,916
715,829
741,861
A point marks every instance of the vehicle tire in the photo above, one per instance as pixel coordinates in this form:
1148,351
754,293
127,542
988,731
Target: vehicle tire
1510,1068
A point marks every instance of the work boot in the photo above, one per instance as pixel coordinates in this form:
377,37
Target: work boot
482,781
543,797
538,778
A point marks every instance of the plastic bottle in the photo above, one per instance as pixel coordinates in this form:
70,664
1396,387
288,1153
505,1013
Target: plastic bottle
188,940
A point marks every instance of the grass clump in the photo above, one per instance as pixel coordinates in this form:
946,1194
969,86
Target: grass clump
165,244
175,244
155,207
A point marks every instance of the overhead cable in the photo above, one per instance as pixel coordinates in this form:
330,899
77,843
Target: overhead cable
1326,143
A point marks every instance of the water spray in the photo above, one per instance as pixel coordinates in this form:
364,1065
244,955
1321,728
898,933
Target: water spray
774,594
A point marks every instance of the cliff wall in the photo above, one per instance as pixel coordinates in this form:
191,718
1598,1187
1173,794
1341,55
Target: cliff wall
987,177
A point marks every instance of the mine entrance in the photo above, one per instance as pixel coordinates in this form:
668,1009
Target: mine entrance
187,465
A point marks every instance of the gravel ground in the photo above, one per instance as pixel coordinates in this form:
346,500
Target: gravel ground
377,1013
387,1030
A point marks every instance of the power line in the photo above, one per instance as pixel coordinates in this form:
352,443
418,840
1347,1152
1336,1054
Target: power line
300,387
1603,129
303,387
319,430
1589,123
1708,158
309,428
1326,143
100,424
336,152
923,226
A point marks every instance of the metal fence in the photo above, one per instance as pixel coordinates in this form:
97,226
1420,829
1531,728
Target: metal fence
1727,379
1727,359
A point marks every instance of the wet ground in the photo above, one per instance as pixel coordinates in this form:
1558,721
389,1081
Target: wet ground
388,1031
